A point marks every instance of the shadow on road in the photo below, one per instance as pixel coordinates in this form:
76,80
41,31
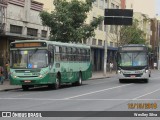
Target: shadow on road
46,88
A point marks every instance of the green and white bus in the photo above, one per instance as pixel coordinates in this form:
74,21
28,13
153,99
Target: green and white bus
133,62
40,62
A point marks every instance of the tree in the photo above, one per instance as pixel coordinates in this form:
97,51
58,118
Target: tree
131,34
67,21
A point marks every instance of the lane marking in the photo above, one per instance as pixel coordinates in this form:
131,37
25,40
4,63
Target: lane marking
146,94
50,99
96,91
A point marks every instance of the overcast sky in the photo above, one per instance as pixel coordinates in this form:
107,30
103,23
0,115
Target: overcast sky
158,7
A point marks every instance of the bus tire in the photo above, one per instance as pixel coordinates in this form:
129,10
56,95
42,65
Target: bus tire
25,87
146,80
79,82
121,81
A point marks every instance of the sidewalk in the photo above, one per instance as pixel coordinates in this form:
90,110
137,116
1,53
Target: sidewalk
95,75
100,75
6,86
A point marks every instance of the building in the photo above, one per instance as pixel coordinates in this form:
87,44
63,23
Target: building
123,4
144,25
19,19
144,6
155,40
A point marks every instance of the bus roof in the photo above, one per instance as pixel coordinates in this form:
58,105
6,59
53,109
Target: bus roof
133,45
54,43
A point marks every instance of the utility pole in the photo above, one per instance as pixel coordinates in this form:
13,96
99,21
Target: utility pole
105,46
115,17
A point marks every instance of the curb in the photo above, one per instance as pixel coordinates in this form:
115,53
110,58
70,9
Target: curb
99,78
19,87
8,89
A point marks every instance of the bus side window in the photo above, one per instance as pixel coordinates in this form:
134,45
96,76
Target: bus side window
51,53
69,54
88,53
57,53
83,54
76,55
73,54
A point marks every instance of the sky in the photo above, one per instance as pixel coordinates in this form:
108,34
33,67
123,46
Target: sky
158,7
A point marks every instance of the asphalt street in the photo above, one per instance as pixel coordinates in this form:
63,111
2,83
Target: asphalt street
94,95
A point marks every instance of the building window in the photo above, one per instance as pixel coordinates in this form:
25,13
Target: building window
116,29
111,28
101,26
106,4
15,29
100,42
32,32
101,4
111,44
93,41
96,3
44,33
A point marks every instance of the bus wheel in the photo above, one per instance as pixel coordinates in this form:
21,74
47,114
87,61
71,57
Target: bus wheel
121,81
79,82
146,80
25,87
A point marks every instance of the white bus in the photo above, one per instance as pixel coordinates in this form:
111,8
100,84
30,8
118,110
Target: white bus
133,62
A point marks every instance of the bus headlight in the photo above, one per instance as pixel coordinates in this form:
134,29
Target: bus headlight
119,71
40,76
146,71
15,76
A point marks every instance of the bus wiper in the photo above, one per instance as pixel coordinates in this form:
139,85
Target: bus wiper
137,55
129,56
33,52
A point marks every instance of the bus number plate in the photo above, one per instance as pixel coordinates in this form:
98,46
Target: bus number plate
133,76
27,81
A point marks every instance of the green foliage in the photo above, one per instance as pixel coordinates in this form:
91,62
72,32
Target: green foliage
67,21
132,34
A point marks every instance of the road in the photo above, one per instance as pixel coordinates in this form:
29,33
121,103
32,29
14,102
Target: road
94,95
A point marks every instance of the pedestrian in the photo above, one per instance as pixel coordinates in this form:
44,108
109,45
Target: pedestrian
155,65
1,75
111,66
8,70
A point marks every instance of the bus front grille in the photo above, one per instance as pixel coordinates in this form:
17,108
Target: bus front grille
26,76
130,75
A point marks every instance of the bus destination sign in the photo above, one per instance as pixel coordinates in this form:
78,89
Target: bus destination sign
133,48
28,44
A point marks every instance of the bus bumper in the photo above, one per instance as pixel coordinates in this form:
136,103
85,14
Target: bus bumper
30,81
144,75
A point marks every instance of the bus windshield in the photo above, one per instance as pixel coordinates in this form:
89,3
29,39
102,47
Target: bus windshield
132,59
29,58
